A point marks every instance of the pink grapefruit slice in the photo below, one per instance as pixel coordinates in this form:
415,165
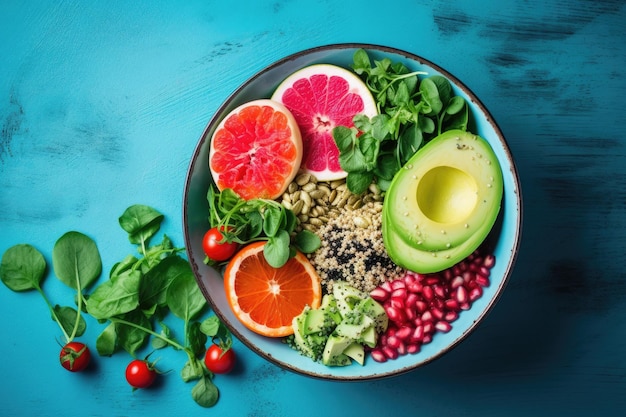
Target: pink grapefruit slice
256,150
321,97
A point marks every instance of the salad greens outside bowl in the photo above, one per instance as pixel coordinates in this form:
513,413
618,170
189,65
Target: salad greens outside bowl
506,234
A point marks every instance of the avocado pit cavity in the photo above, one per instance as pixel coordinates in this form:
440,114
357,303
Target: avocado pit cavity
447,195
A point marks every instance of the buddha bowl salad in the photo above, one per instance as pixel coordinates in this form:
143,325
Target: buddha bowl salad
373,185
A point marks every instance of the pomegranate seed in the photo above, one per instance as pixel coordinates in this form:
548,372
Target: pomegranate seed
428,327
410,313
457,281
418,334
439,291
451,316
417,321
397,302
403,333
427,316
421,306
386,286
468,276
378,355
461,295
397,284
395,314
427,339
409,279
451,304
465,306
393,342
482,280
456,270
483,270
475,293
401,348
443,326
428,293
447,274
415,287
437,313
390,353
379,294
413,348
399,292
489,261
411,299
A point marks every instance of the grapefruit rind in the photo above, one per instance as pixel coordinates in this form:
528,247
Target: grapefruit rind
255,250
256,150
317,111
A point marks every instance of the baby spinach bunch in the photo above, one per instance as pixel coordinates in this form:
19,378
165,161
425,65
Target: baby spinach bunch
142,290
411,112
245,221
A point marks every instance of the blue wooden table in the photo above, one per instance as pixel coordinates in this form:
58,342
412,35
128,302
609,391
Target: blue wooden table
101,107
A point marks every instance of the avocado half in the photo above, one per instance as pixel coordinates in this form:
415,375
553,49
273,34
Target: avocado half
443,203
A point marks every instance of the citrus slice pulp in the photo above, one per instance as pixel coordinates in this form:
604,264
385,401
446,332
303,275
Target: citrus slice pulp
266,299
256,150
320,97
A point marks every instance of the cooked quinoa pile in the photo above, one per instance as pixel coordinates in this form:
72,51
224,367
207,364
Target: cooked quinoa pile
352,249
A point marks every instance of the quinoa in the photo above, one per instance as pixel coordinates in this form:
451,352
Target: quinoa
352,250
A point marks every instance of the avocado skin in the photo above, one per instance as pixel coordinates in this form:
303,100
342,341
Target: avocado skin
430,251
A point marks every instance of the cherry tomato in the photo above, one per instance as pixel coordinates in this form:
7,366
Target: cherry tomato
219,361
214,249
140,373
75,356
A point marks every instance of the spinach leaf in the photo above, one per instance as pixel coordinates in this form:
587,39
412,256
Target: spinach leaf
129,337
205,393
106,343
141,222
153,286
67,317
118,295
22,268
76,260
184,298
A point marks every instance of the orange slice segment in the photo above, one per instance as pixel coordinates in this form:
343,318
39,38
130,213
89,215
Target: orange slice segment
266,299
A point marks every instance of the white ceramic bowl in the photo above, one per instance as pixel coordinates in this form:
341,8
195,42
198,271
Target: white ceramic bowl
506,234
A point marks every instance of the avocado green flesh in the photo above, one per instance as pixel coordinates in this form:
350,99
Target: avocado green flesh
334,336
443,203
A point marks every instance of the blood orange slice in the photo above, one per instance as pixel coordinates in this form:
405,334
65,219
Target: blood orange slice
256,150
321,97
266,299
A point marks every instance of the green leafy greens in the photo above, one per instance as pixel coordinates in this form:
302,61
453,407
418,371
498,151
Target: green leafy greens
245,221
140,292
411,112
135,300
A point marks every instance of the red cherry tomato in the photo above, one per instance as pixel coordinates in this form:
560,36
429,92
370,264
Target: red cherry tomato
140,374
215,249
219,361
75,356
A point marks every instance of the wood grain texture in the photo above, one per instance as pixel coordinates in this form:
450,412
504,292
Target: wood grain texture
101,107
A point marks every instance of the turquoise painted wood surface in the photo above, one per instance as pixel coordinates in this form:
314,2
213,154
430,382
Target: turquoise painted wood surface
101,106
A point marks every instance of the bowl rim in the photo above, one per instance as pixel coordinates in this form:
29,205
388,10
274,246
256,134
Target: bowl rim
489,118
